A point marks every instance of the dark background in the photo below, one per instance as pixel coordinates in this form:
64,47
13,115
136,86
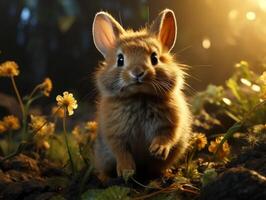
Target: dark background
52,38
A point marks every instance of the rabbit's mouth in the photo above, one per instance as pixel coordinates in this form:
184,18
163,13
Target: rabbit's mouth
132,85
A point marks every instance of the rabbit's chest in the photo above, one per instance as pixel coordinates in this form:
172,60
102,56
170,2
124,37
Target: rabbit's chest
138,120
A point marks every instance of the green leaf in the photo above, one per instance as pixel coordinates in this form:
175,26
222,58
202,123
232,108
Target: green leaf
233,86
229,134
213,94
208,176
111,193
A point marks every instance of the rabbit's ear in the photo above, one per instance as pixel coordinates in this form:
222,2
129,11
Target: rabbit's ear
164,27
105,30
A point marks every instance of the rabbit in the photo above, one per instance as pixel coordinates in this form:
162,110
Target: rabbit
144,120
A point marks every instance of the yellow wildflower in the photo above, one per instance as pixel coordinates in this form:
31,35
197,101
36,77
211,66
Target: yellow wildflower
11,122
223,151
91,126
47,86
77,134
200,141
262,78
58,112
9,68
67,101
2,127
39,124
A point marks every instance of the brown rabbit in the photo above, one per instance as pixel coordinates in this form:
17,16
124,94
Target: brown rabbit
143,117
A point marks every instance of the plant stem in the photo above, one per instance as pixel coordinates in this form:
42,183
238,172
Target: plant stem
21,147
18,96
189,162
142,185
9,141
34,90
24,117
18,151
25,133
84,179
67,144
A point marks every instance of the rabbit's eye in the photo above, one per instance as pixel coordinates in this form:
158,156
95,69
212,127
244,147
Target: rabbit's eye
154,59
120,60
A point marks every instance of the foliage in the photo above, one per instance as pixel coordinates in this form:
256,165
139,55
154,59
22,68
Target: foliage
213,143
244,90
111,193
208,176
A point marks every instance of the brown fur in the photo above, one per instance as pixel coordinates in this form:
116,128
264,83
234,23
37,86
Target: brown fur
144,127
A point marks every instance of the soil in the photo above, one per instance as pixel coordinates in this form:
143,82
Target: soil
243,178
30,177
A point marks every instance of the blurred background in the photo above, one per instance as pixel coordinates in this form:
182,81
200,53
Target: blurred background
52,38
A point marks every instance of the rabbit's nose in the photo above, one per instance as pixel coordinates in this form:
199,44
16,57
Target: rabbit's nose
138,75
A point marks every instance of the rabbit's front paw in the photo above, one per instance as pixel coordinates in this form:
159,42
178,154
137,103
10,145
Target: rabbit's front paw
159,150
128,165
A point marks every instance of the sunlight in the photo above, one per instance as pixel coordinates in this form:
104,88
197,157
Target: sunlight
262,5
251,16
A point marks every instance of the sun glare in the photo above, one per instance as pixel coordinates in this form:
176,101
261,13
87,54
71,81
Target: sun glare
262,5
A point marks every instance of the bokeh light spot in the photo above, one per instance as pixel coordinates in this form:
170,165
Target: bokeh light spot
233,14
251,16
245,82
25,14
255,88
227,101
206,43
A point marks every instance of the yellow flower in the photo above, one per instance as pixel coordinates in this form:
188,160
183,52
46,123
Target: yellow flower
262,78
43,127
223,151
200,141
11,122
91,126
57,111
67,101
77,134
2,127
9,68
47,86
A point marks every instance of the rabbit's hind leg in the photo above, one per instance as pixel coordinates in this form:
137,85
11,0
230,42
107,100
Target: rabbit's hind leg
104,161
